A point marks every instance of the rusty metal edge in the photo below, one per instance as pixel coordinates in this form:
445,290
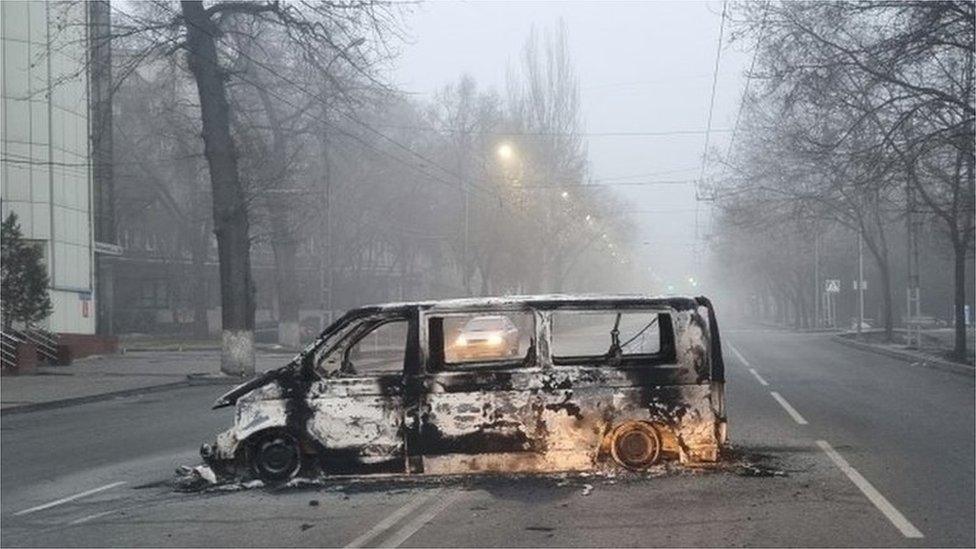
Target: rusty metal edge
914,360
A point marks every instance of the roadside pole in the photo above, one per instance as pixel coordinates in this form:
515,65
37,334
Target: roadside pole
860,283
816,280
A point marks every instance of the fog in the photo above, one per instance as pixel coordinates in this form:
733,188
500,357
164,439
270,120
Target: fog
277,165
644,67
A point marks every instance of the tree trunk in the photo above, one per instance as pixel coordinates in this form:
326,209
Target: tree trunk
229,204
959,302
886,296
201,298
283,243
285,253
879,251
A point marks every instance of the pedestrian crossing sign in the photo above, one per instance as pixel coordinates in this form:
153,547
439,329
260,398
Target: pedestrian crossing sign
833,286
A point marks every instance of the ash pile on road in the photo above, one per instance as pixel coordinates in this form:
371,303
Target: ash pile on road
741,462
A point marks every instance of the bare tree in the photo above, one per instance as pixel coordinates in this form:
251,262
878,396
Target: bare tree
321,32
872,89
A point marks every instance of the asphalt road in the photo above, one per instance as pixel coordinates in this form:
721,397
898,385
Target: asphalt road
874,451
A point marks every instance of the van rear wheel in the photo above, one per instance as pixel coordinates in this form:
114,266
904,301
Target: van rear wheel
275,456
635,445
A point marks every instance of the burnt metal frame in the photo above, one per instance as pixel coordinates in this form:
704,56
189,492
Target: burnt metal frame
415,372
418,314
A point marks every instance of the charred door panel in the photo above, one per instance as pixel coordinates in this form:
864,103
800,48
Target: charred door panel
359,419
482,420
480,411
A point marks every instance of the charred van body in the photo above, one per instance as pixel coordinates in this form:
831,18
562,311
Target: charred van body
585,380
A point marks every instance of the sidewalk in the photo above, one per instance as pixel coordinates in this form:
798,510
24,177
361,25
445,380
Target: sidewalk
925,358
97,377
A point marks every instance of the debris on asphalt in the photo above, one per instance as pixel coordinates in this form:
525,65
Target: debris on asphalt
191,479
736,461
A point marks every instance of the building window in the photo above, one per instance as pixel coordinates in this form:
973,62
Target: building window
153,294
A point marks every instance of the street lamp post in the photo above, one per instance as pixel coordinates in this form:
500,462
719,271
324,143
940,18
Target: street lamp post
860,283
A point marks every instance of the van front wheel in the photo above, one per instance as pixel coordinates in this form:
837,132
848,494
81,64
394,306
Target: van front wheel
275,456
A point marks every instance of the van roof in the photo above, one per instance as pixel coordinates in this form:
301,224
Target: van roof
544,301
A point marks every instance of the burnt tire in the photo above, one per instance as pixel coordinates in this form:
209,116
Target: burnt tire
635,445
275,456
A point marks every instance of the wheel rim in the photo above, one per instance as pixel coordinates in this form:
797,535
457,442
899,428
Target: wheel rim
636,446
277,458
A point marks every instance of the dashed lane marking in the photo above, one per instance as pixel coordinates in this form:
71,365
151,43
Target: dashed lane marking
69,498
87,518
391,521
739,356
411,528
906,528
758,377
789,409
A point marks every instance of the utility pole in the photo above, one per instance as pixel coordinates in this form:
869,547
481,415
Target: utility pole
913,290
326,257
816,278
464,262
860,283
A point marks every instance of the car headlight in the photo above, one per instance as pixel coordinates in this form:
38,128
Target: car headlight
494,339
461,341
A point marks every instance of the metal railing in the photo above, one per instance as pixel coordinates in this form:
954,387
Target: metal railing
44,341
8,349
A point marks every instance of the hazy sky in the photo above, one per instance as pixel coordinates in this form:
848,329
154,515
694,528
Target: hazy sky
642,66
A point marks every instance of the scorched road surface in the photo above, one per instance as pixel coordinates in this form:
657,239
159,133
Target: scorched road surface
874,451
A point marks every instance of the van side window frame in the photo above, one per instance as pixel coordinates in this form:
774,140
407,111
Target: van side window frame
368,328
667,355
358,330
434,340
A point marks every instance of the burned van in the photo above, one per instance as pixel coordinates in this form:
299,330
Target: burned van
514,384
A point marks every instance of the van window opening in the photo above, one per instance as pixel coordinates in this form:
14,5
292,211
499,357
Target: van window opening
378,350
471,340
612,338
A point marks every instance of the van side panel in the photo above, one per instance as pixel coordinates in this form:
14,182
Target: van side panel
554,418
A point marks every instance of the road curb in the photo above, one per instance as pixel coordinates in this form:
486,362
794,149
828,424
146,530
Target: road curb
933,363
192,380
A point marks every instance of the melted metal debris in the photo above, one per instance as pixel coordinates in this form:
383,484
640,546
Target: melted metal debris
201,479
194,479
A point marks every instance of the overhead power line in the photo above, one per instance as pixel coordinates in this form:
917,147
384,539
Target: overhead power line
711,100
662,133
745,92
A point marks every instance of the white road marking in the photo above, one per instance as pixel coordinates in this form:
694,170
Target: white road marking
391,520
70,498
404,533
789,409
759,377
906,528
738,355
92,517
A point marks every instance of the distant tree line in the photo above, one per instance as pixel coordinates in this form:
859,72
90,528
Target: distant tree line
858,124
310,161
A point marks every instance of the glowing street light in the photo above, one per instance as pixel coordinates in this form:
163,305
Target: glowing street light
565,195
505,152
